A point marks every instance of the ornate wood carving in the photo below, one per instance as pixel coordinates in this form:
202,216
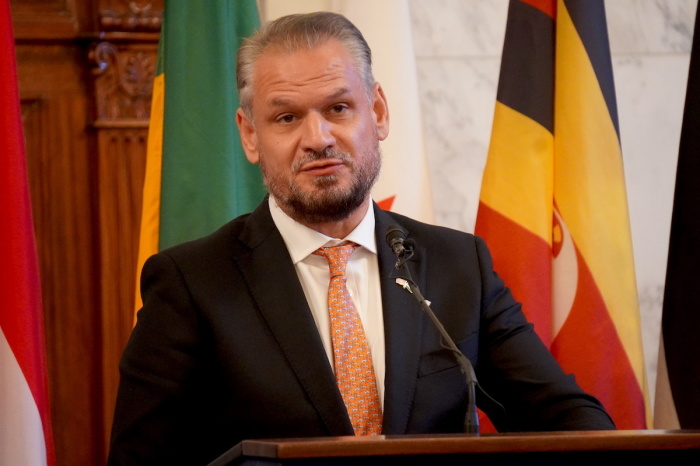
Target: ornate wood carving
130,15
123,80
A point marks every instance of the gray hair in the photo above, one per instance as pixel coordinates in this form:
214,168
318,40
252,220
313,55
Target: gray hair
295,32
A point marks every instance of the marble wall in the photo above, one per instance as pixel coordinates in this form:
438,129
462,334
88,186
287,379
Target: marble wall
458,45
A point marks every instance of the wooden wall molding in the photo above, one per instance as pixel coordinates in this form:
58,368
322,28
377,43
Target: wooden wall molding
48,19
61,177
121,170
123,70
130,15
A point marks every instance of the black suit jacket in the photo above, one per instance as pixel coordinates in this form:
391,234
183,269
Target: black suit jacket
226,348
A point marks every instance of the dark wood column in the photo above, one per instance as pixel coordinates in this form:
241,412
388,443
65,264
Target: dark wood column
125,67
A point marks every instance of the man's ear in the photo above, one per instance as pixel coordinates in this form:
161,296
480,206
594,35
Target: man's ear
381,112
249,139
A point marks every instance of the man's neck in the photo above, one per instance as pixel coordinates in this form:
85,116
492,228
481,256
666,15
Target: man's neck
339,228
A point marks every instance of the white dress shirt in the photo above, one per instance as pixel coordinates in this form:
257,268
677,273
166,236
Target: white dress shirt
362,279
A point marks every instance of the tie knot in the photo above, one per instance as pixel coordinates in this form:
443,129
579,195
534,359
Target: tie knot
337,257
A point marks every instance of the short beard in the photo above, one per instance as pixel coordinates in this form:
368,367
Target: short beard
329,202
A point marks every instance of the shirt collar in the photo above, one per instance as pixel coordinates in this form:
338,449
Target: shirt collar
302,240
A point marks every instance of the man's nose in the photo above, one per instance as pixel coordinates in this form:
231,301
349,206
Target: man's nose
317,133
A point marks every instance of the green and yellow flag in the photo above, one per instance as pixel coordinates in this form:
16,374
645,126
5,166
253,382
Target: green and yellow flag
197,176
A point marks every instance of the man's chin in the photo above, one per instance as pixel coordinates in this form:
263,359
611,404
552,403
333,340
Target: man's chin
324,206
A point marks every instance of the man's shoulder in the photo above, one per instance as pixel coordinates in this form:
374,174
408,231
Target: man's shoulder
224,234
416,228
244,231
438,241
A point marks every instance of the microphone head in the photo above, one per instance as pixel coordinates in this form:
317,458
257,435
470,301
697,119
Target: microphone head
395,237
394,233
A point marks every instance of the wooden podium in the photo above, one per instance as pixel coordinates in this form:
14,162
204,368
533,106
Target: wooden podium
639,447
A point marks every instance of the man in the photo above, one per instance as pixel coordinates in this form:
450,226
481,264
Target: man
238,338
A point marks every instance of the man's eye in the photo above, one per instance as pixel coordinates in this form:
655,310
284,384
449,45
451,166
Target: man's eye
286,119
340,108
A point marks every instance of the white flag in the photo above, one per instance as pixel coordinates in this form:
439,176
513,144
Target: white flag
404,184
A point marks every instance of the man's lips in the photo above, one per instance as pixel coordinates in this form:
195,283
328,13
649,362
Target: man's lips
320,167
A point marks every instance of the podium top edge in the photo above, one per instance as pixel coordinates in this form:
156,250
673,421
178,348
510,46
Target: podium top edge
381,445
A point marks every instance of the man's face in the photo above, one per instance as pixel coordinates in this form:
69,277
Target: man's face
315,132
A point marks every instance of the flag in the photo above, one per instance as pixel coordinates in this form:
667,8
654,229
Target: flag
553,206
25,430
677,401
404,183
197,176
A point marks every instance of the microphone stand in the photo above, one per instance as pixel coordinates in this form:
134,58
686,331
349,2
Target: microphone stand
471,420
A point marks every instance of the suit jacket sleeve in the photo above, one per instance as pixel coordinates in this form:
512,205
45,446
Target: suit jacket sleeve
515,367
454,270
155,369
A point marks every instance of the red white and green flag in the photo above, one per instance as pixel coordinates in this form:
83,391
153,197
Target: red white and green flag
553,205
25,429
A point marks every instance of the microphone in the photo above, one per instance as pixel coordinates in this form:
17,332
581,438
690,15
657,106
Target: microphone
395,238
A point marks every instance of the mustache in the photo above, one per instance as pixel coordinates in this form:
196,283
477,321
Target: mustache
328,153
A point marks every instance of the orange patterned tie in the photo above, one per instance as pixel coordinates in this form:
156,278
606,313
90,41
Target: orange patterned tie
354,371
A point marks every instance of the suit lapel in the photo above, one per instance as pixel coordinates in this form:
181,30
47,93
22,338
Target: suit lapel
403,319
272,279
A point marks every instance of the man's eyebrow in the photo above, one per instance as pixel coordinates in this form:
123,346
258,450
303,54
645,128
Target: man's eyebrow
283,101
279,102
340,93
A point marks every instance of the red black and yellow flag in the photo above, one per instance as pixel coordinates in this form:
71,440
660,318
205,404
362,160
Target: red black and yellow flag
553,205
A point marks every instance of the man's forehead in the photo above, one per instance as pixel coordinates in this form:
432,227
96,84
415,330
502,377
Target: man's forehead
327,71
331,53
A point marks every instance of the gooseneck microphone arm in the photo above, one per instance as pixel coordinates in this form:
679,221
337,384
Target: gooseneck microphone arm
403,248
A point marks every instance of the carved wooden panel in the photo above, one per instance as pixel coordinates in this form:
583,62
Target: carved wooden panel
55,109
121,168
